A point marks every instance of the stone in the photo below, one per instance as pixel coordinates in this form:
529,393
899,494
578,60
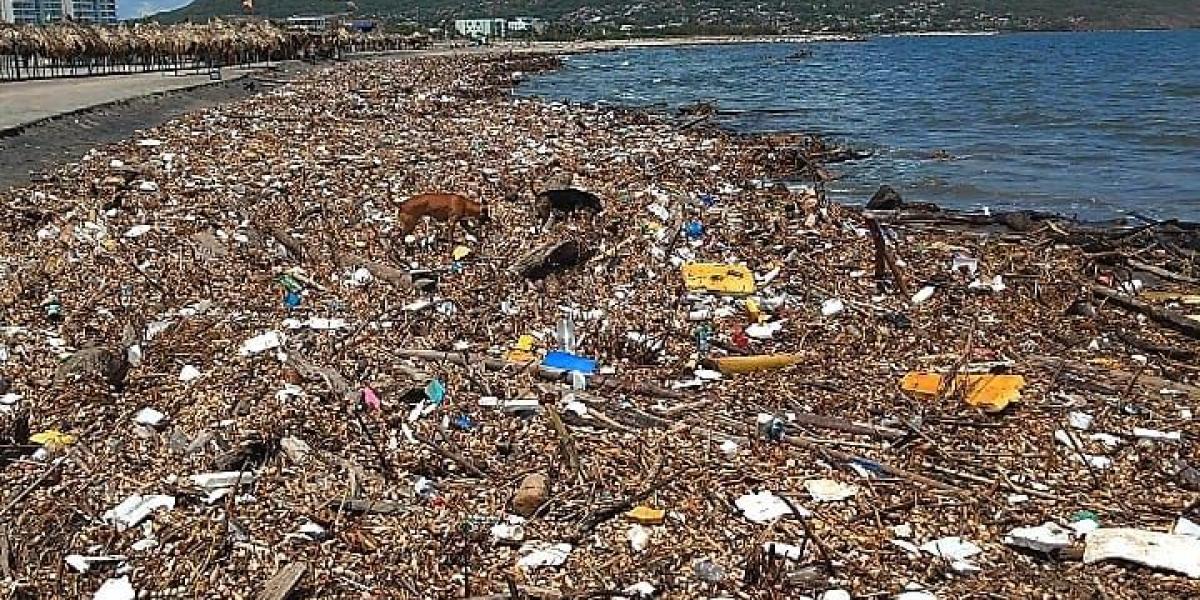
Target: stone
886,198
531,495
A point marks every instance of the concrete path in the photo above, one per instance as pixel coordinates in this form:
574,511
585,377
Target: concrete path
25,102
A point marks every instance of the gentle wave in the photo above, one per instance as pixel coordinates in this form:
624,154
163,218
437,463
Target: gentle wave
1086,123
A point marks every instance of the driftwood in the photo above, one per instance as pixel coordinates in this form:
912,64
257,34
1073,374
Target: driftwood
566,443
847,426
1166,318
380,270
284,582
884,258
367,507
1160,272
598,382
881,466
548,258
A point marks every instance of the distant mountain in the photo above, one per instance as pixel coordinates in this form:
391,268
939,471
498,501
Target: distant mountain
599,17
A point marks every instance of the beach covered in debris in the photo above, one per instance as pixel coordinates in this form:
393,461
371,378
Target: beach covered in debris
228,373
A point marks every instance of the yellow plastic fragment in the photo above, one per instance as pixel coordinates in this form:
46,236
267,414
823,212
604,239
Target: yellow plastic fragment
460,252
992,393
760,362
646,515
719,278
53,438
754,310
524,342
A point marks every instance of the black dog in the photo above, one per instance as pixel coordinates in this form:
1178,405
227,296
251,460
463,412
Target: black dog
566,201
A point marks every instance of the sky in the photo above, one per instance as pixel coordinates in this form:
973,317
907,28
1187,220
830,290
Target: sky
132,9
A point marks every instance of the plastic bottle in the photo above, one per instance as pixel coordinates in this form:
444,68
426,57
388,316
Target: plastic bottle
566,334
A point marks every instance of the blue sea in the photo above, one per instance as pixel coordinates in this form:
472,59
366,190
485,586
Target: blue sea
1093,125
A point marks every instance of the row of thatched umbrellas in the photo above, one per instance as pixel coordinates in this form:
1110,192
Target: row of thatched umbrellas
152,43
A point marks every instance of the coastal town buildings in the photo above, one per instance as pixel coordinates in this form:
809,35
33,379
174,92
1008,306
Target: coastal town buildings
46,11
481,28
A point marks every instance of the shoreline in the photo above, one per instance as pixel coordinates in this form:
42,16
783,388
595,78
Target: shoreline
187,229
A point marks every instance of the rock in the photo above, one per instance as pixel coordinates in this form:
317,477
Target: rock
887,198
112,367
532,493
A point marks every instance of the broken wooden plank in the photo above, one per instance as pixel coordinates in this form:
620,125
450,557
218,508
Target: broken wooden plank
1166,318
363,507
281,585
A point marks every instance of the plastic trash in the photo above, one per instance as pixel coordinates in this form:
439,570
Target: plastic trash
292,299
1048,537
261,343
828,490
565,334
750,364
463,423
764,331
435,391
149,417
511,529
923,294
995,284
764,507
641,589
1186,526
1164,551
639,537
53,439
729,448
544,556
646,515
835,595
136,508
1080,420
992,393
771,427
222,479
718,278
954,549
116,589
189,373
964,264
832,307
371,399
791,551
569,362
82,563
694,230
708,571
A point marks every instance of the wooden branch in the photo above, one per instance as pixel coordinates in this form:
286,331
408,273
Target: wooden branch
284,582
884,467
883,255
566,443
454,456
601,515
847,426
367,507
1161,272
1166,318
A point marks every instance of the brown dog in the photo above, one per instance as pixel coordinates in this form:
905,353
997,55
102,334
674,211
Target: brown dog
448,208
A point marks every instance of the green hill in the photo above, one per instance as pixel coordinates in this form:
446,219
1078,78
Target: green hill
577,17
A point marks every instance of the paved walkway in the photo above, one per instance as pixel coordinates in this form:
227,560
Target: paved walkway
25,102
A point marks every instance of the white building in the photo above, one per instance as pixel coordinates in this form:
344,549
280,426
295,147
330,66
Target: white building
46,11
526,25
481,28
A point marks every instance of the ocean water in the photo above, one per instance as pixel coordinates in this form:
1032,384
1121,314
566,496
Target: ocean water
1093,125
